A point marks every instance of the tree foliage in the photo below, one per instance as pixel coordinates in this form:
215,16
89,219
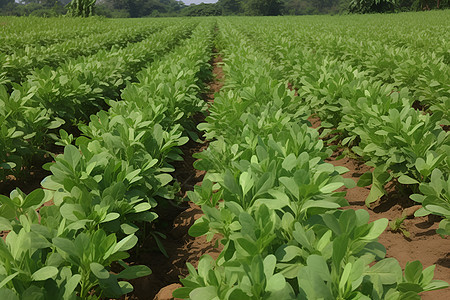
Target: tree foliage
262,7
173,8
202,9
5,2
366,6
81,8
230,7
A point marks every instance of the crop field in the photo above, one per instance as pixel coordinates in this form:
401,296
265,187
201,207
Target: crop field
225,157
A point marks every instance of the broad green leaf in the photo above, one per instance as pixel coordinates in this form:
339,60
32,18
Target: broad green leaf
387,271
44,273
413,271
376,230
276,283
7,294
331,187
318,265
8,279
404,179
199,228
126,243
133,272
203,293
99,271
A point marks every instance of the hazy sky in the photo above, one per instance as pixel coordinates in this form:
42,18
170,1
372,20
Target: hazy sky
187,2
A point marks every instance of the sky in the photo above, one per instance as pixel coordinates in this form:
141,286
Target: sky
187,2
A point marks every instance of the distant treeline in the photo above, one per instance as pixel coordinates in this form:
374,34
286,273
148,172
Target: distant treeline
172,8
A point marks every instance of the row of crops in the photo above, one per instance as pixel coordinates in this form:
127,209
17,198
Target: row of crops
271,194
118,98
57,98
105,184
388,101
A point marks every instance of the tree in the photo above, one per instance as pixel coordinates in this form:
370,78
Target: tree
3,3
202,9
81,8
370,6
230,7
262,7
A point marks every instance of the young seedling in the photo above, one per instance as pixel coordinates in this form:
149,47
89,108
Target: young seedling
397,225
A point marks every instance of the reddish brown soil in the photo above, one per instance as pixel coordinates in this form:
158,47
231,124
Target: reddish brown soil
423,243
180,246
218,81
181,249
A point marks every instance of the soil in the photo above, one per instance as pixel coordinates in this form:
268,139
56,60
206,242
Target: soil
29,179
423,243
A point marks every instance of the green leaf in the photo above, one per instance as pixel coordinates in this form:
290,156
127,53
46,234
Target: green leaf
376,229
344,277
319,204
182,292
379,179
340,245
365,180
409,287
70,286
125,287
439,210
5,224
269,263
72,212
35,198
126,243
331,187
288,252
247,246
203,293
33,293
143,206
318,265
7,279
291,185
7,294
44,273
289,162
246,181
436,285
404,179
72,155
387,271
65,245
276,283
413,271
134,272
99,271
199,228
110,217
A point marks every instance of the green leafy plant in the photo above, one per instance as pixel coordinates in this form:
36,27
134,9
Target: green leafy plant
397,225
435,199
